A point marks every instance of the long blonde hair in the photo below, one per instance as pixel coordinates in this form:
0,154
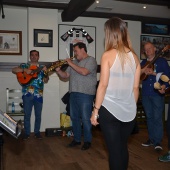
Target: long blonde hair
117,37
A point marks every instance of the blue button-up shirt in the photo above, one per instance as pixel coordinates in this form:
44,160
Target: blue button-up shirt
35,86
160,65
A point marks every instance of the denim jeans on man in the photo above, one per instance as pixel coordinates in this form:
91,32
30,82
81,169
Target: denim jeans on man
80,113
29,102
154,107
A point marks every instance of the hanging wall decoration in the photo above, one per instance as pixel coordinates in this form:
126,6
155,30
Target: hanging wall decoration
71,34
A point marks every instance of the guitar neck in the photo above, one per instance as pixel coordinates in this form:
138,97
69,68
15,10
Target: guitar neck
155,58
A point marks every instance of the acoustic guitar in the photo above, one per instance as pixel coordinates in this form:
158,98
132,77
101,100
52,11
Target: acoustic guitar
24,78
150,64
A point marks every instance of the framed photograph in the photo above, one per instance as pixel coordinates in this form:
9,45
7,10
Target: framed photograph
160,43
155,29
43,38
10,42
71,34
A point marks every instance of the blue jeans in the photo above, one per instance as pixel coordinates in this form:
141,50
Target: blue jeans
80,113
154,107
28,103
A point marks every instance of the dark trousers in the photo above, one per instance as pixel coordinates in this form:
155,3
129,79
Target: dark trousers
116,135
168,125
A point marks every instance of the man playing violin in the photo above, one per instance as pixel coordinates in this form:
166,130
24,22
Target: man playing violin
152,99
32,92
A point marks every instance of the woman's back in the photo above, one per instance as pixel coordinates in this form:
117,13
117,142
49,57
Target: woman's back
119,98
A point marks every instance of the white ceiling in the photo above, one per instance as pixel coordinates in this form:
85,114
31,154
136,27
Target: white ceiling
113,6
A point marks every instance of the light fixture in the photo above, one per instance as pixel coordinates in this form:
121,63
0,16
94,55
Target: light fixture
144,7
97,2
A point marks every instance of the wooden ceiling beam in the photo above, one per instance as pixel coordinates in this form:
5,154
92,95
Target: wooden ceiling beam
75,9
24,3
34,4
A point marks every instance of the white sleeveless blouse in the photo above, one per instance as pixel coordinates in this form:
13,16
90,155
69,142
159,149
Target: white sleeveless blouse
119,99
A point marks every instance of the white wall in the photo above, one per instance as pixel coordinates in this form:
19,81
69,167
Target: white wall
27,19
46,19
134,28
15,20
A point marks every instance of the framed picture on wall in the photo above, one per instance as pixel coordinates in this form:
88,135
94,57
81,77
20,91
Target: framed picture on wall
10,42
159,29
160,42
43,38
71,34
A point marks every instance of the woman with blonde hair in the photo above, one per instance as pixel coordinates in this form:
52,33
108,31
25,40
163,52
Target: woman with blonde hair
117,93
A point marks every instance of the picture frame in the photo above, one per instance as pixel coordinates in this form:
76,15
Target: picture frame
10,42
159,42
158,29
71,34
43,38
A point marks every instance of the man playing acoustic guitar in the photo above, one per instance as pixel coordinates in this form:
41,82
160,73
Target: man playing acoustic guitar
152,99
31,77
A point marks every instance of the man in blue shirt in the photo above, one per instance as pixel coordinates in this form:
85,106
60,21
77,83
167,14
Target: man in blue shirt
32,91
153,99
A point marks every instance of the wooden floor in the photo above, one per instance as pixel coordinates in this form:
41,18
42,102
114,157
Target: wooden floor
52,153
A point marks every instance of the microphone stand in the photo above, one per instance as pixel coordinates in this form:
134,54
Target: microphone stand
2,8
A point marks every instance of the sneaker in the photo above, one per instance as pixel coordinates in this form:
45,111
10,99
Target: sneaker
38,136
158,147
86,146
165,158
148,143
74,143
26,137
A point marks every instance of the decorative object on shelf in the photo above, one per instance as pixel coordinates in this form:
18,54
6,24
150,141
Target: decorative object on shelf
43,38
10,42
71,34
13,107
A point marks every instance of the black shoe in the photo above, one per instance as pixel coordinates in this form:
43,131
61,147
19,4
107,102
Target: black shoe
26,137
74,143
38,136
86,146
158,147
147,143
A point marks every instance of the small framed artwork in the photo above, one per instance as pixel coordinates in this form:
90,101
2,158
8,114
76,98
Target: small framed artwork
160,42
157,29
10,42
72,34
43,38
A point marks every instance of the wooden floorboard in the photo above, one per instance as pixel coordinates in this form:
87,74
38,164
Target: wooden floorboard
52,153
